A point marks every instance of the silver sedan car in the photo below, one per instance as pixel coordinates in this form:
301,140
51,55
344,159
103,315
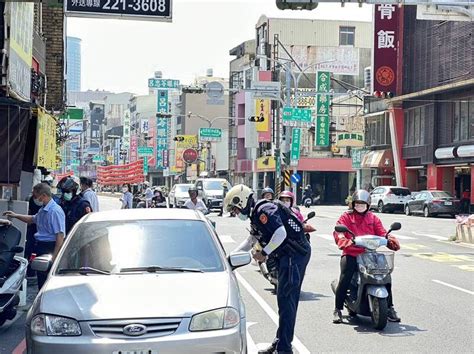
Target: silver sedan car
151,281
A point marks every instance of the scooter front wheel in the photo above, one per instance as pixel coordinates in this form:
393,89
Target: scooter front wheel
379,312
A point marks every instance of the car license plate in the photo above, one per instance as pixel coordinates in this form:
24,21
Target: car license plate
220,204
137,351
448,203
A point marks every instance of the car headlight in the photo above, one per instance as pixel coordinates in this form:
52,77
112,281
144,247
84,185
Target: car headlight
223,318
49,325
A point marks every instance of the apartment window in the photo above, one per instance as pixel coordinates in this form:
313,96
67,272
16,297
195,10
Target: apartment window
471,120
463,120
415,126
346,35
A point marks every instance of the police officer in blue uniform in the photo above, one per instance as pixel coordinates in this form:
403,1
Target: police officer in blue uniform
280,233
74,206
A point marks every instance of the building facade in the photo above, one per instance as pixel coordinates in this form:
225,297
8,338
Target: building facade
73,64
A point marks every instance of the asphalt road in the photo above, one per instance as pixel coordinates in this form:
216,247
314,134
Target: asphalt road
433,292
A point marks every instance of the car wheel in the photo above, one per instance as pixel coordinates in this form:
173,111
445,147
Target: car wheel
380,207
407,211
426,212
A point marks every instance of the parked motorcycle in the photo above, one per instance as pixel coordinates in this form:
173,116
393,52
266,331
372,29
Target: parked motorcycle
308,201
12,272
269,268
368,293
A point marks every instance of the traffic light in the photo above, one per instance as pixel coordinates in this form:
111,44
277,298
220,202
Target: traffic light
384,95
258,119
296,4
178,138
163,115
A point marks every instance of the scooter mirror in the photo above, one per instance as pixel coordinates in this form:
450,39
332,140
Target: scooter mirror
311,215
16,249
341,228
395,226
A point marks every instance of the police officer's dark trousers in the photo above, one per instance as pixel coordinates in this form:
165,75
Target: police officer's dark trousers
291,271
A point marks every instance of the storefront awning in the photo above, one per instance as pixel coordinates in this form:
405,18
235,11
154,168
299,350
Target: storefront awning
445,153
378,159
465,151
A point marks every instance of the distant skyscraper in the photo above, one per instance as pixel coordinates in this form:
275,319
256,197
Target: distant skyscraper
73,64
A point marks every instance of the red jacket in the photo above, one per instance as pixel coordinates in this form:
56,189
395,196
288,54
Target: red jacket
360,225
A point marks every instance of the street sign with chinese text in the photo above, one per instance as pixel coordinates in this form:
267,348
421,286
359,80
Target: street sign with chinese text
145,166
145,151
162,104
163,83
357,156
210,134
157,10
190,155
323,81
295,144
386,36
97,159
162,142
322,131
296,116
126,130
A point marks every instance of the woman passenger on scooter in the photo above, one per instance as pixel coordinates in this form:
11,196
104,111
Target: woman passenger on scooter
288,199
361,222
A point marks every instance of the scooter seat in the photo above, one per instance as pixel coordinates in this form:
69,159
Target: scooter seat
10,237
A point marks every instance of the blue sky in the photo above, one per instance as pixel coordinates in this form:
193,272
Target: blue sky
120,55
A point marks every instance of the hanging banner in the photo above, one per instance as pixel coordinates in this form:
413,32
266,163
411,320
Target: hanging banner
162,104
323,85
126,131
21,48
386,36
322,131
161,143
45,141
262,110
295,144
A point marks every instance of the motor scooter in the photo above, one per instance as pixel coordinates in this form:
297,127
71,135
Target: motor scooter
269,268
368,295
12,272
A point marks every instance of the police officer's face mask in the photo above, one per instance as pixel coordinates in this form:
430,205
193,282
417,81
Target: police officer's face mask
243,217
67,196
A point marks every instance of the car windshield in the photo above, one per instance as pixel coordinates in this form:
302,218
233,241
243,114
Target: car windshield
110,246
213,185
183,189
441,195
400,191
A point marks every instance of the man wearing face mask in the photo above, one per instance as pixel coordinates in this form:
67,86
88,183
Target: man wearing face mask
74,206
361,222
279,233
50,222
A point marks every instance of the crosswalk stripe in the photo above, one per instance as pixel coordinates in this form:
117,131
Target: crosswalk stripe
436,237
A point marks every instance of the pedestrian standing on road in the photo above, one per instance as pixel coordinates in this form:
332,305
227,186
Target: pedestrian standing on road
361,222
127,197
465,201
74,206
148,194
88,194
50,222
280,233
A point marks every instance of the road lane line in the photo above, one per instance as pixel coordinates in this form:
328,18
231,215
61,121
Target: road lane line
441,238
251,346
453,286
273,316
20,347
404,237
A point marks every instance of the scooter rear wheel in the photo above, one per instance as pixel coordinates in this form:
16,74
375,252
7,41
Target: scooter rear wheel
379,312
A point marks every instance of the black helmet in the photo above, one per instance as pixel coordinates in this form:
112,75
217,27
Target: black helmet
361,196
69,184
267,190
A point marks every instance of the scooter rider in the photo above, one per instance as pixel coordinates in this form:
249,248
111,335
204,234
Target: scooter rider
195,203
74,206
267,193
361,222
279,233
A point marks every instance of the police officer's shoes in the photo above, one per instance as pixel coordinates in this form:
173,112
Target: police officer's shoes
337,316
392,315
270,350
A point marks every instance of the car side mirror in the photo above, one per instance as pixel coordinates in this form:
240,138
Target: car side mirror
239,259
395,226
42,263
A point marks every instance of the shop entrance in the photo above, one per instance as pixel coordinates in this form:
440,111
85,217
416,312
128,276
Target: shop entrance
333,187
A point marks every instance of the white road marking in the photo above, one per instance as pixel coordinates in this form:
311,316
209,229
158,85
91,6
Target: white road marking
453,286
251,346
273,316
441,238
226,239
325,236
404,237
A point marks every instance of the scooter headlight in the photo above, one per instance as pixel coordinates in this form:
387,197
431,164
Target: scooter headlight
362,269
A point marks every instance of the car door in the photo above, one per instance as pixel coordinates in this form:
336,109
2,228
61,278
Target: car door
420,201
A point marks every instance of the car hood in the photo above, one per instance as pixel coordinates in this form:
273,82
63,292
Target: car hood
140,295
181,195
214,192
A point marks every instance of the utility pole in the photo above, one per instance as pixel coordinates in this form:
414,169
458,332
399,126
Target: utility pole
276,77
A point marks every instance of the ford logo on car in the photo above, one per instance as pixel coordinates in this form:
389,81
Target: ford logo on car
134,330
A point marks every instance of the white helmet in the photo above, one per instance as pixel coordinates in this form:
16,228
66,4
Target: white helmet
239,196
